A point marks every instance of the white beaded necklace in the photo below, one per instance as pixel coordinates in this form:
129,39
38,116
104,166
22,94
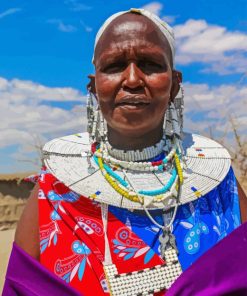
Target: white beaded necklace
134,164
136,155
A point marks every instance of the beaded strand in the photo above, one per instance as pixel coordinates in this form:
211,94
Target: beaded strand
122,191
179,168
136,155
162,190
138,166
138,196
158,192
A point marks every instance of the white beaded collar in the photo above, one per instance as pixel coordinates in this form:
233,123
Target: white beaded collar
137,155
66,158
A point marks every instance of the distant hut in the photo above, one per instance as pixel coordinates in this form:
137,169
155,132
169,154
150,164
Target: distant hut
14,191
15,185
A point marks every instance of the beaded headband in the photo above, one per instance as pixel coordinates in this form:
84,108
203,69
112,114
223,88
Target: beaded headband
166,30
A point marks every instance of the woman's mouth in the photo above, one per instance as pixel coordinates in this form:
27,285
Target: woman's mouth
133,103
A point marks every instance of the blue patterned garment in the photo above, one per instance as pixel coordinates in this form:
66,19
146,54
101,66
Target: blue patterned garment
198,225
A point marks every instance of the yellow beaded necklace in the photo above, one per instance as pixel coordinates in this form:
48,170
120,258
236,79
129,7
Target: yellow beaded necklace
131,194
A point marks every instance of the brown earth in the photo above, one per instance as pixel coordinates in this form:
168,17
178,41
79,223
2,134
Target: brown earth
6,240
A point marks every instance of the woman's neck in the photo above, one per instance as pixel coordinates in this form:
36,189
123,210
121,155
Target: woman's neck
133,142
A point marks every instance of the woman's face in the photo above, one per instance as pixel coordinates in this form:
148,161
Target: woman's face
133,76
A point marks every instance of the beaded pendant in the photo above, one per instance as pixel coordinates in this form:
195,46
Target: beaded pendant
144,282
167,241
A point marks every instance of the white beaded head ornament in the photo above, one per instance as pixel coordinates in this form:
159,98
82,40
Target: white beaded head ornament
163,26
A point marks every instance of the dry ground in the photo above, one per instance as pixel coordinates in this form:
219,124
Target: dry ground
6,239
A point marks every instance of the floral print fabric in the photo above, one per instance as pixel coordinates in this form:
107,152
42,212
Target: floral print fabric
72,236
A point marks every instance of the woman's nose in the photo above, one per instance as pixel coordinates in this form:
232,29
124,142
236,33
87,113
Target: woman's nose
132,77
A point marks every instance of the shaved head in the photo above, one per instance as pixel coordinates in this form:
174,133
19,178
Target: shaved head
135,26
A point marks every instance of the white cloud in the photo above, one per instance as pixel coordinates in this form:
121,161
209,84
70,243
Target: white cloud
154,7
190,28
25,111
212,108
170,19
18,91
75,5
86,28
9,12
67,28
220,50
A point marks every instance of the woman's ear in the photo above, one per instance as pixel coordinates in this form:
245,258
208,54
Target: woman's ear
177,78
91,85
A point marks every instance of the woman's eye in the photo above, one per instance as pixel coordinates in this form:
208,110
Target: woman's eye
114,67
151,67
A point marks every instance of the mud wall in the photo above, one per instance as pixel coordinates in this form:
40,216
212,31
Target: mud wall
17,189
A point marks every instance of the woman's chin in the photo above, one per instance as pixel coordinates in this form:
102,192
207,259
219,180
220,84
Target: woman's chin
132,130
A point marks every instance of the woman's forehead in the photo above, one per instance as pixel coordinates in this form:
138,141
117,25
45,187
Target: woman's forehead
130,26
129,29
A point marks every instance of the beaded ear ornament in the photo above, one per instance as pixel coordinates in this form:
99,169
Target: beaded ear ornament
95,125
95,122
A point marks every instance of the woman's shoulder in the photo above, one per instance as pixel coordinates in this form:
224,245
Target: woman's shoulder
27,231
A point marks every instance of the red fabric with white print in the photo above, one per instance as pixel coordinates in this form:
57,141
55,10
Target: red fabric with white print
72,238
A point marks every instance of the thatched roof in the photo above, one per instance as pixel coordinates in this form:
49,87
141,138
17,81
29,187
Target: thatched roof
15,176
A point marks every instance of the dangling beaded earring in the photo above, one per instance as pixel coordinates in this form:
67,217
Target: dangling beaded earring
174,114
174,121
90,112
179,104
101,136
93,122
96,125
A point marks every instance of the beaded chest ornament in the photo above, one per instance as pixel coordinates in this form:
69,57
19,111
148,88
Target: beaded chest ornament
143,282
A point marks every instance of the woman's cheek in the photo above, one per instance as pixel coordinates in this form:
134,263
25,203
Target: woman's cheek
106,86
160,81
161,86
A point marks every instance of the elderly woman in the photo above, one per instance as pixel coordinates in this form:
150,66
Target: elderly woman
128,207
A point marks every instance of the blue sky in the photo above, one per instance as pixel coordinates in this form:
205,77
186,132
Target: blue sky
45,56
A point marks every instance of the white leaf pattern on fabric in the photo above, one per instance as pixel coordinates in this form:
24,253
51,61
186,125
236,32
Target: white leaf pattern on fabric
121,247
141,251
74,271
186,225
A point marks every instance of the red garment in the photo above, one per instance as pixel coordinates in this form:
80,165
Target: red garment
72,238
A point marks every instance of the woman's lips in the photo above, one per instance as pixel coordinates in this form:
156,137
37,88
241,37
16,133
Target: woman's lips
134,102
129,106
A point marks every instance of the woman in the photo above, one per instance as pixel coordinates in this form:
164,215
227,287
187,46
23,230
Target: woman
125,209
